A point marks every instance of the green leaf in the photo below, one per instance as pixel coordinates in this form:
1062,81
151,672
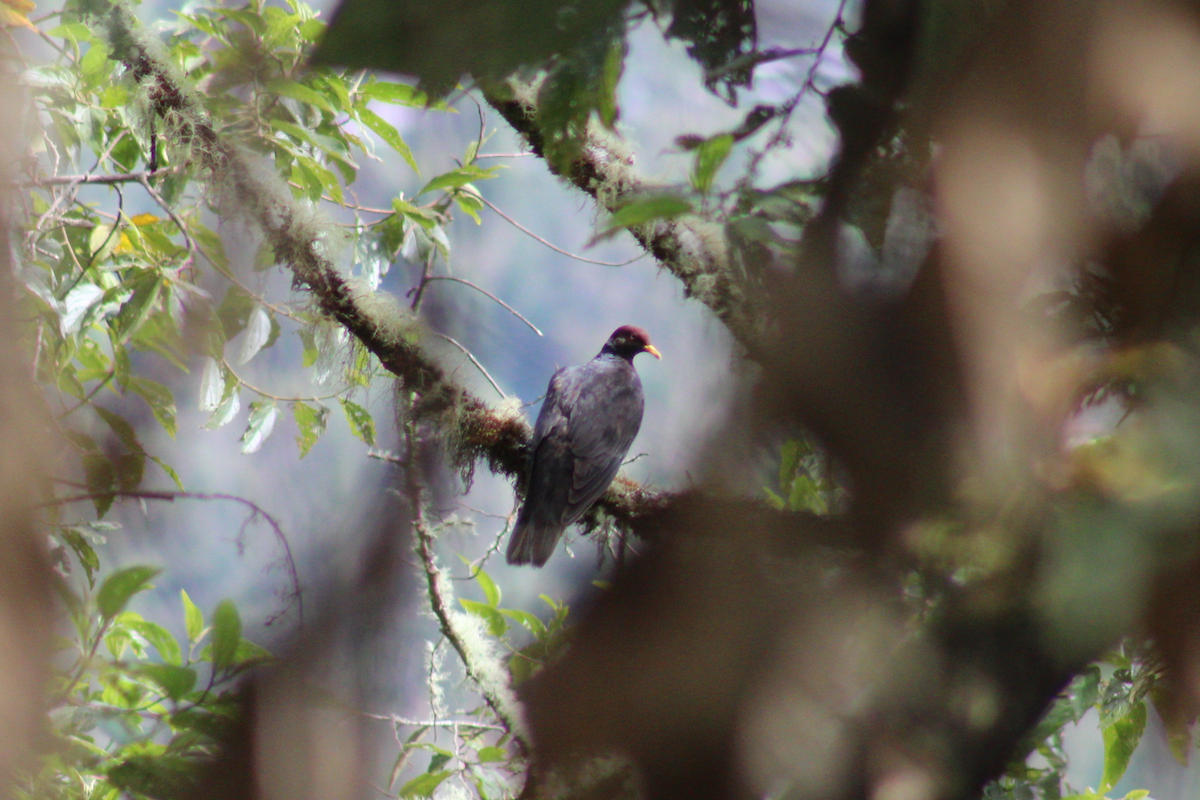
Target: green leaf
639,212
160,400
310,424
226,635
389,134
120,586
212,385
361,423
100,475
469,201
492,616
175,680
248,651
709,158
490,754
300,93
1120,740
83,551
490,590
396,93
459,177
129,469
75,31
101,242
257,334
789,461
171,473
263,414
423,785
235,310
225,413
528,620
160,638
193,618
213,248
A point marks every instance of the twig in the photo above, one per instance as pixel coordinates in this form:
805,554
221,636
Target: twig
275,397
474,361
554,247
784,117
76,180
485,292
162,203
437,600
425,275
170,496
433,723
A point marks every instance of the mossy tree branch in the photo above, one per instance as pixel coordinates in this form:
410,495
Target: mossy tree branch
692,250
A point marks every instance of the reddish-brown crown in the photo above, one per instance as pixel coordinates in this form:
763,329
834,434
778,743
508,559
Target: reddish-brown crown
629,340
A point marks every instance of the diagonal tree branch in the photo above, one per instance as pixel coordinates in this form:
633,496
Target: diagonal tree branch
691,249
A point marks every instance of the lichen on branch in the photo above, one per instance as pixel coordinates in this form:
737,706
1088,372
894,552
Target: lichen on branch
690,248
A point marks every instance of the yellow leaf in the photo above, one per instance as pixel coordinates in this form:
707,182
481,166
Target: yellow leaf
124,245
14,13
144,219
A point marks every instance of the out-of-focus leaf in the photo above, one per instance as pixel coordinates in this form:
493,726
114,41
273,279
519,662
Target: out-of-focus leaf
494,619
459,177
83,551
160,400
123,584
423,785
257,333
175,680
361,423
310,424
709,158
438,42
722,34
389,134
647,209
212,385
528,620
1120,740
193,618
301,93
226,634
263,414
100,475
159,637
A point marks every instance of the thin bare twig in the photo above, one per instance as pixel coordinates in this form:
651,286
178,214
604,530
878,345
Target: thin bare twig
170,496
554,247
474,361
433,723
485,292
425,275
784,117
75,180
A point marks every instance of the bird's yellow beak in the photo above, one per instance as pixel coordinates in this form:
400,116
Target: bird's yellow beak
652,350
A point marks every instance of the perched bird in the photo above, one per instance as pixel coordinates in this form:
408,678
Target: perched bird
588,420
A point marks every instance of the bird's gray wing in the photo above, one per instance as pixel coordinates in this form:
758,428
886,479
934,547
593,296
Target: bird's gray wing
604,421
552,463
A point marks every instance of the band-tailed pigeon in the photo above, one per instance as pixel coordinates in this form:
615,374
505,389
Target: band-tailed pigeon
588,420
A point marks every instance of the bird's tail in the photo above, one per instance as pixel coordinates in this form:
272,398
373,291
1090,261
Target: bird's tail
531,543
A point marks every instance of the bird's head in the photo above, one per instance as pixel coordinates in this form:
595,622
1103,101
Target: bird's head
629,340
